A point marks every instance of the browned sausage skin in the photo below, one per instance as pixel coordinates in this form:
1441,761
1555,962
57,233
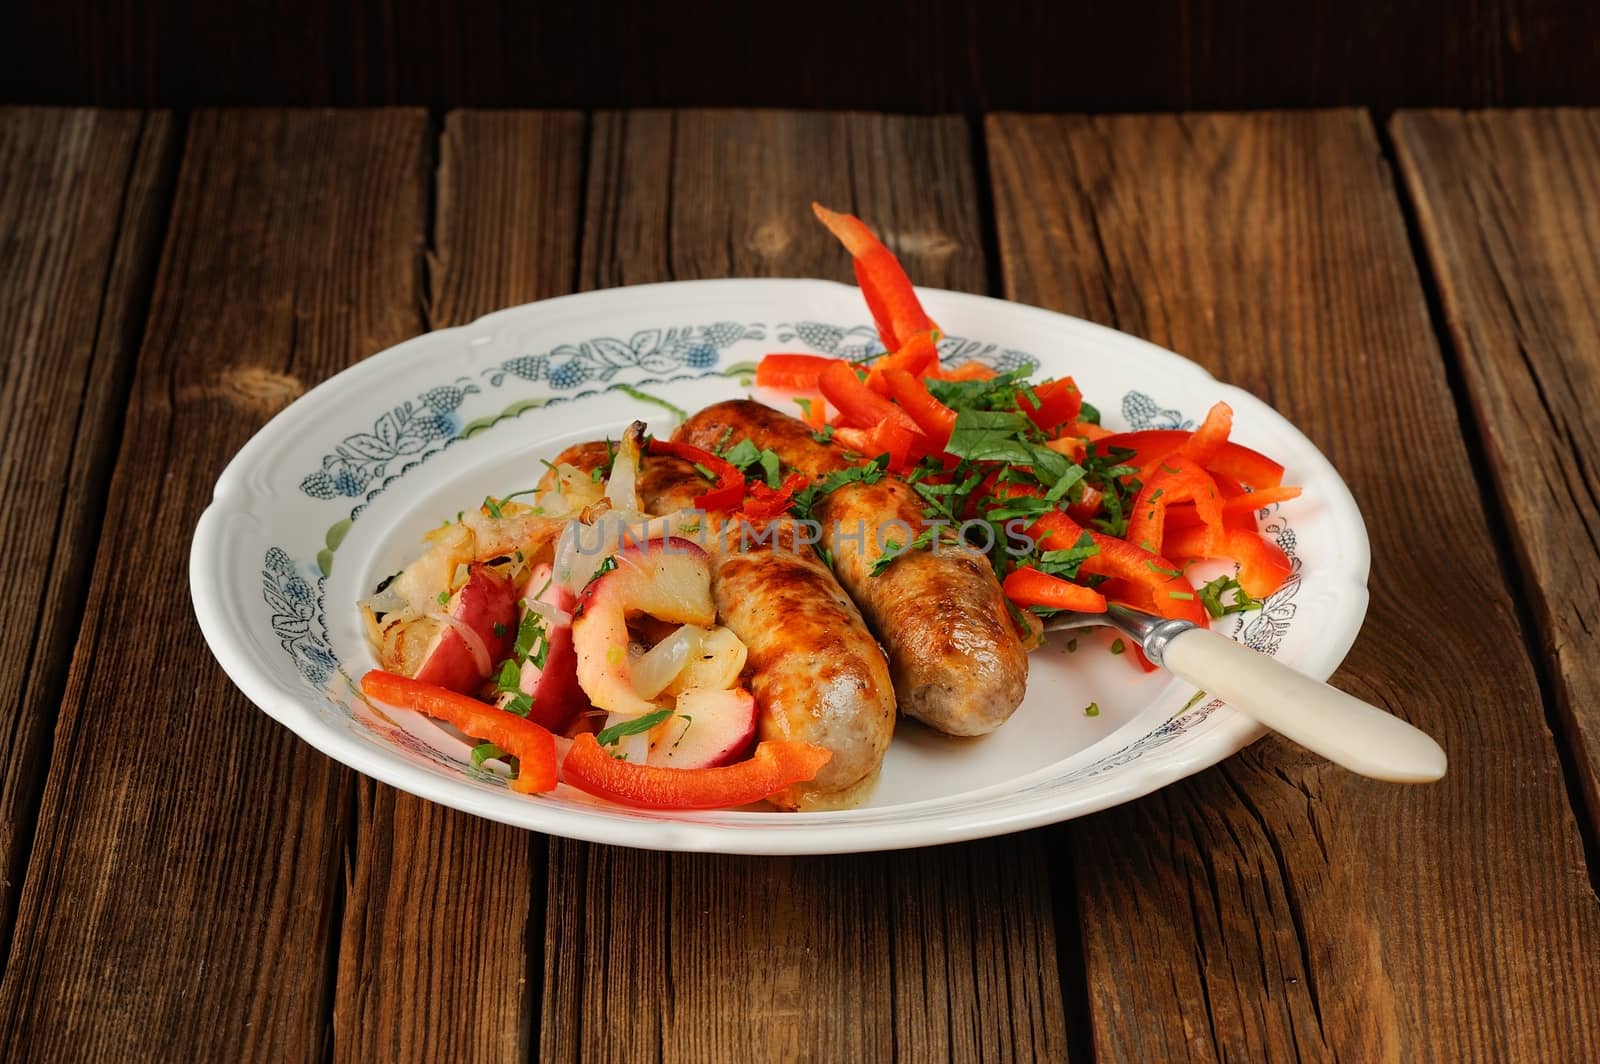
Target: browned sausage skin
955,656
815,670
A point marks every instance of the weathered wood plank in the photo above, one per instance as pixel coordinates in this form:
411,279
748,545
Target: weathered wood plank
1509,205
82,204
1274,906
182,897
438,947
932,954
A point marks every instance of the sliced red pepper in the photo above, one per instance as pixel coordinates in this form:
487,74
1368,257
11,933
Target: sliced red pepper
1175,478
894,305
774,766
1027,586
791,372
1150,446
1263,566
532,746
968,371
935,419
765,502
1059,404
1088,430
1210,437
729,488
858,405
1170,593
1086,508
814,412
902,445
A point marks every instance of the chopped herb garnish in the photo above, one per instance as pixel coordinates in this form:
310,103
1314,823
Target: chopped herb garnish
509,678
824,434
687,720
891,551
1182,596
1163,570
1211,597
444,598
492,506
1092,709
610,735
528,632
1072,645
486,752
520,704
596,475
1117,646
809,496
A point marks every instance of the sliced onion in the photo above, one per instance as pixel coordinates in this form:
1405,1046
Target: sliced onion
716,664
635,749
475,644
622,485
553,618
662,663
386,601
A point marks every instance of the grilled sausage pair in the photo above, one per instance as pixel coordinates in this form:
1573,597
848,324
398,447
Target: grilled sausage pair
954,659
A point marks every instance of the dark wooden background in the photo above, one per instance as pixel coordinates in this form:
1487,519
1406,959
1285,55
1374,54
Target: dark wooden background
895,55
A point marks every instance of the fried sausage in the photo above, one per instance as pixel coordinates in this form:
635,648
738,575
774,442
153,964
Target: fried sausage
956,659
815,670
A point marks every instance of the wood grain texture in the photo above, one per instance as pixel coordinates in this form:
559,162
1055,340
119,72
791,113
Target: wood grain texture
1509,206
82,204
1275,907
929,954
182,897
443,922
894,55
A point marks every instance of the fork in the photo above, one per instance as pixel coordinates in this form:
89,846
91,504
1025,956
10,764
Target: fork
1323,719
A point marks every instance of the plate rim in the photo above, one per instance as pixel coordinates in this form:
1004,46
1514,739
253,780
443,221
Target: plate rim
1227,730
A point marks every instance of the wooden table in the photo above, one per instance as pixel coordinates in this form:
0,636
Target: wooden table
185,880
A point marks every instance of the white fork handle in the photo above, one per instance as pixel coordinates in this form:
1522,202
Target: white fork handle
1323,719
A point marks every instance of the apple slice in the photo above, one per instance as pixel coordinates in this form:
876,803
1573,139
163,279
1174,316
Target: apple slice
557,696
710,728
669,579
476,629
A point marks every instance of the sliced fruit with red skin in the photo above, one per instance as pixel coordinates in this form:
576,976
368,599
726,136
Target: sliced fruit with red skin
668,579
557,695
486,605
709,728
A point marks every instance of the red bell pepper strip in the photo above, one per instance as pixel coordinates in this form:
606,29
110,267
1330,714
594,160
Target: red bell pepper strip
1263,566
1086,508
1209,438
968,371
1059,403
1175,478
935,419
902,445
1027,586
729,488
1170,593
1087,430
791,372
894,305
532,746
814,412
1150,446
775,765
1238,506
857,404
765,502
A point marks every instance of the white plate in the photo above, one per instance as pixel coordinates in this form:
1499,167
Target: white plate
336,491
